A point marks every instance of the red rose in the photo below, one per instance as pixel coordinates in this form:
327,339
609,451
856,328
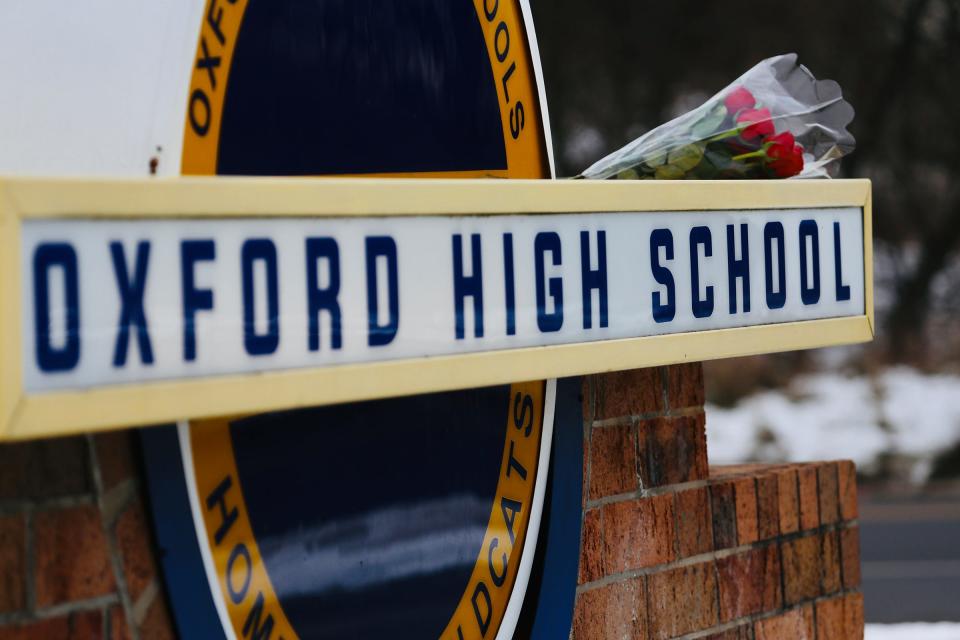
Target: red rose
758,123
782,140
784,154
739,98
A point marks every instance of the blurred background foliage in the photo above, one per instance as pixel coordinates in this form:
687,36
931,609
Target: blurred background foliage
614,70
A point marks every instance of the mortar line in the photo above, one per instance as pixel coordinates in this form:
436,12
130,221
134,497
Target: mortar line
705,557
63,608
14,507
116,561
764,615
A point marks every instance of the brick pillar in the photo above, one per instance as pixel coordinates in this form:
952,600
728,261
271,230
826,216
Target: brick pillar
672,548
77,558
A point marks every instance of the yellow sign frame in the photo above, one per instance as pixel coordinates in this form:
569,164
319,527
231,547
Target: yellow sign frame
25,415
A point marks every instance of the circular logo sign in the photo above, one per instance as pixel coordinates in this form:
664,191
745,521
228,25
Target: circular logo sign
405,518
402,518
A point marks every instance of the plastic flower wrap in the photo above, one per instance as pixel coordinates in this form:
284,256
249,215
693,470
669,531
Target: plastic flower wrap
776,121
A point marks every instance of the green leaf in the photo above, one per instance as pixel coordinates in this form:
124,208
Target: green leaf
686,157
658,158
709,123
670,172
628,174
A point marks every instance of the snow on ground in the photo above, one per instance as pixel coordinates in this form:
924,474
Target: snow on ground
913,631
828,415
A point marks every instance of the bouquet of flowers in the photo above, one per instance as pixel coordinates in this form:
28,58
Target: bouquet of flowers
775,121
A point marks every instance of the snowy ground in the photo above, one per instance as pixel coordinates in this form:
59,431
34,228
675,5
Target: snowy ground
913,631
823,416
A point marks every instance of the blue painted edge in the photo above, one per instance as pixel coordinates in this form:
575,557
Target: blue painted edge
186,580
553,610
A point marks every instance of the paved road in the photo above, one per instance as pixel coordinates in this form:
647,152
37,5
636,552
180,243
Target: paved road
910,549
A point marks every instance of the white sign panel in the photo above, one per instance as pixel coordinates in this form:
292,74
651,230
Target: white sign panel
110,302
138,302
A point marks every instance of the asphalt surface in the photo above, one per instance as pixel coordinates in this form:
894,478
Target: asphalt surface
910,550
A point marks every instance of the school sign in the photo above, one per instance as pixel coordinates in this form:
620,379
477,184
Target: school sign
138,302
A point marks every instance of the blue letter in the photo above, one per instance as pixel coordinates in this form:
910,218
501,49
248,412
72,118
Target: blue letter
508,284
700,236
662,312
260,344
738,268
594,279
774,231
543,242
464,286
843,290
809,292
192,252
49,357
323,299
131,303
386,247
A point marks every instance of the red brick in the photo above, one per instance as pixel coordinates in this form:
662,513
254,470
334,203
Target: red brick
746,498
613,611
830,563
809,497
12,563
133,538
743,632
829,496
676,449
787,501
586,468
586,398
685,385
853,616
42,469
847,486
768,514
628,393
638,533
723,507
801,569
76,626
840,617
796,624
829,618
119,630
850,557
749,582
591,556
700,469
694,527
720,472
85,624
613,461
157,623
643,456
72,558
39,630
115,456
683,600
730,471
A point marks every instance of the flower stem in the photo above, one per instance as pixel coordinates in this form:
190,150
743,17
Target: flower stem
723,135
753,154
